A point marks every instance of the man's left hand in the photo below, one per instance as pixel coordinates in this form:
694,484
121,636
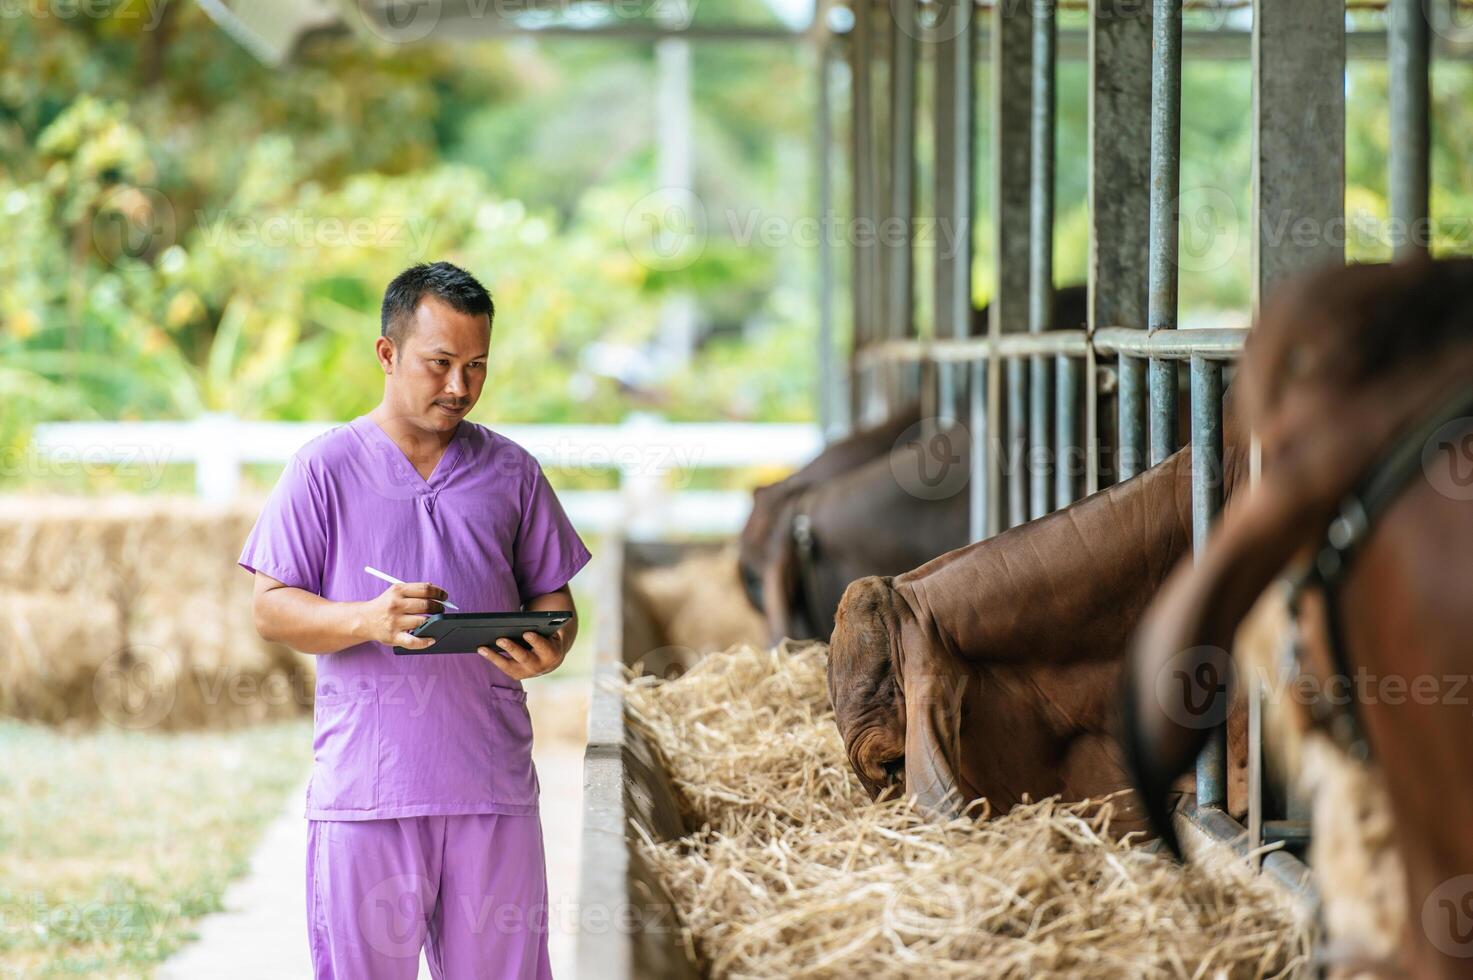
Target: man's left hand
540,655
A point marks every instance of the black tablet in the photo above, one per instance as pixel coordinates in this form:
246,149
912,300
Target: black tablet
462,632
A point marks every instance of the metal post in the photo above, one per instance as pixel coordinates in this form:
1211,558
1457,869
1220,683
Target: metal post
1067,468
1119,181
1298,179
983,487
1041,254
864,276
1408,52
1011,58
1299,138
1016,450
1165,188
1206,502
899,321
829,407
953,136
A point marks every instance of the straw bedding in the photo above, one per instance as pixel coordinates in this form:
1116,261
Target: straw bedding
795,873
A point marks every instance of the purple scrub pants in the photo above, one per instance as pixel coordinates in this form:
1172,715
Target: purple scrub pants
474,885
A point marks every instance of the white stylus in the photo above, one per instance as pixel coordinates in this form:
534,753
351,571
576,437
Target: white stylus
393,581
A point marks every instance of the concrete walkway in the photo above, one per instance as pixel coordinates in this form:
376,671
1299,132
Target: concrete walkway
262,934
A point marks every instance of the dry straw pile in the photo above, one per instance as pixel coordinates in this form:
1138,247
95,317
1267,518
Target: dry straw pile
674,612
795,873
132,611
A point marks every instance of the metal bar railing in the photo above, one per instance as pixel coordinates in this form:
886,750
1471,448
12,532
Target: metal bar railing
1012,100
1409,45
898,265
1030,393
864,187
1207,487
1211,344
1165,190
954,133
1041,254
1119,193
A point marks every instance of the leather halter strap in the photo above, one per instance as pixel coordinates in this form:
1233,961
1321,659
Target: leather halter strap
1331,564
805,546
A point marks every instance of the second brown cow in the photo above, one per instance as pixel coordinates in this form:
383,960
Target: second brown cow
993,671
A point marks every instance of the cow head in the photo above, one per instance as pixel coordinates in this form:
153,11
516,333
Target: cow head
866,697
1338,363
900,720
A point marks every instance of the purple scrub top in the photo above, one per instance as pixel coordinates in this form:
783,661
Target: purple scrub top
408,736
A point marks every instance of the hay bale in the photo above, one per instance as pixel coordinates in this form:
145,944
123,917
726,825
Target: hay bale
43,636
696,605
795,872
181,650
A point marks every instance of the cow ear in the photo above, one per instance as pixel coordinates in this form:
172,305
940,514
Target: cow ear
1179,681
933,691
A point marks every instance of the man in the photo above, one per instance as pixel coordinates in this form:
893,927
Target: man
422,804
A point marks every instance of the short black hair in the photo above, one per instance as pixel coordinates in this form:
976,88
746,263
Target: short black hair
450,283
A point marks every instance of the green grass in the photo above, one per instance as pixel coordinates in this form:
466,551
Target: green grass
112,844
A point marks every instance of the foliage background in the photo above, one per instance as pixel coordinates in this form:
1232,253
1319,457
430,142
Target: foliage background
277,202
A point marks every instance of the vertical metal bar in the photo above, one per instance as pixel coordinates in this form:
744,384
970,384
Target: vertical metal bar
864,278
1041,254
1299,138
982,487
928,389
989,382
1119,195
828,404
1068,466
1165,188
1408,52
1206,502
1011,152
955,169
951,137
899,321
1091,422
1255,697
1130,393
948,393
1298,181
1015,453
1164,411
1255,763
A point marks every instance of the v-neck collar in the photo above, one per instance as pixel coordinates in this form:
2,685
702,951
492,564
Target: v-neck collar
443,467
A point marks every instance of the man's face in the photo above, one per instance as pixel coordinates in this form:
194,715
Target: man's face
434,375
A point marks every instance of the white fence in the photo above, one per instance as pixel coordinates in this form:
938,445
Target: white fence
644,450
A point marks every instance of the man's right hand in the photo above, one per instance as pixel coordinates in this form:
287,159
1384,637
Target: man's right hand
399,609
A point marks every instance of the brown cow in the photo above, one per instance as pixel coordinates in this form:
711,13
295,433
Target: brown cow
757,542
877,519
865,523
993,670
1350,374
